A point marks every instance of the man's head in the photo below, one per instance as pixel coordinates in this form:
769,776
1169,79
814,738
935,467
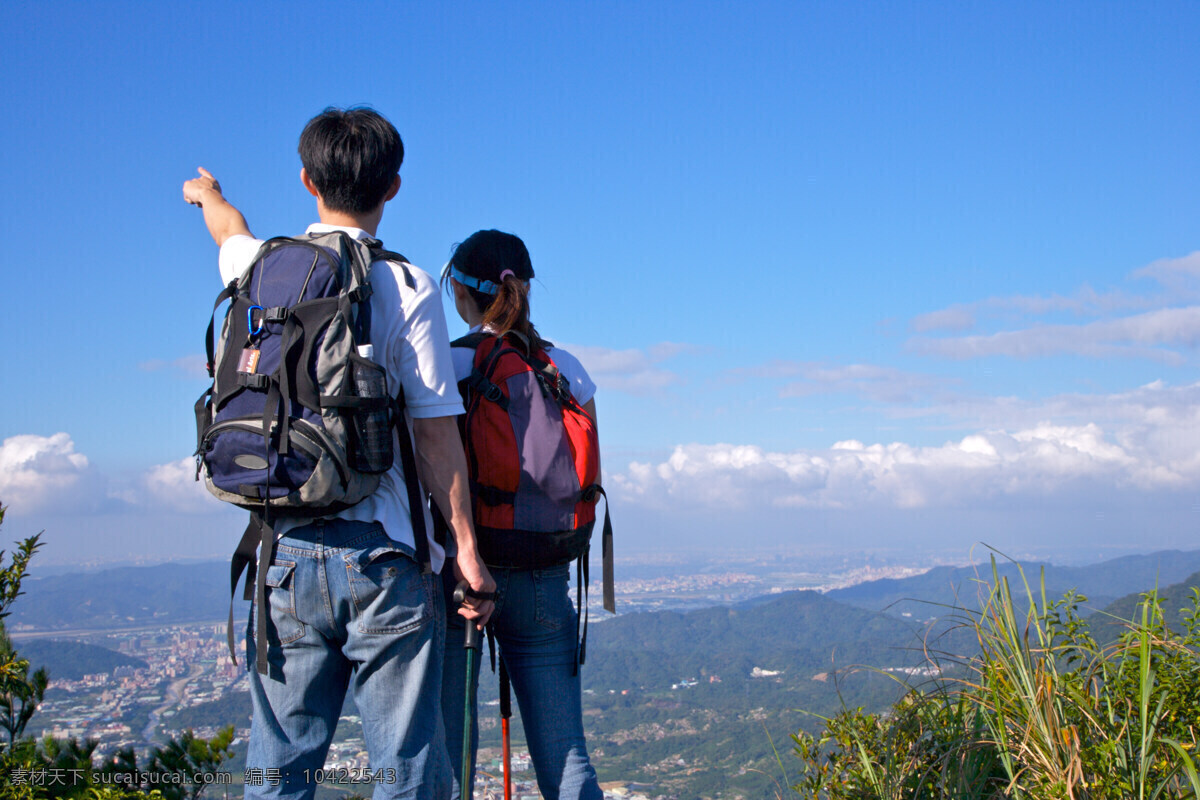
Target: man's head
352,157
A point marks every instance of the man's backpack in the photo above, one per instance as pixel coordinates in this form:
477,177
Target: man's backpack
298,421
533,459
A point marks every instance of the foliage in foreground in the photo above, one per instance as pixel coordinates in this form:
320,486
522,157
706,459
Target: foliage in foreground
1044,712
52,768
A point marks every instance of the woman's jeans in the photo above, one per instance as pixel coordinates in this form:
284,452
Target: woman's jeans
349,608
534,624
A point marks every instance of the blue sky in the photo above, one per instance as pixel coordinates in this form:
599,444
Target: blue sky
848,276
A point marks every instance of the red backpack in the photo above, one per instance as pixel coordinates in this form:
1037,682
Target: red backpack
532,459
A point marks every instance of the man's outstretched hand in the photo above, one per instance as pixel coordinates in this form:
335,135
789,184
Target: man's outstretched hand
195,190
222,219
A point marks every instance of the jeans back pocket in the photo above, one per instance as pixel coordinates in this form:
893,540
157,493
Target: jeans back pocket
390,593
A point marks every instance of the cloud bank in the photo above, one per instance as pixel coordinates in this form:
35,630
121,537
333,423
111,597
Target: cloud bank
44,474
1147,443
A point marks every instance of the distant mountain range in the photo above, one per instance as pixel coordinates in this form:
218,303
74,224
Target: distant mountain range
177,593
124,597
936,592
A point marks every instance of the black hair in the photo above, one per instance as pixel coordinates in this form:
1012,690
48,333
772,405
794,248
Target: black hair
487,255
352,156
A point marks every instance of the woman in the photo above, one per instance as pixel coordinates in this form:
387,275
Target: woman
534,622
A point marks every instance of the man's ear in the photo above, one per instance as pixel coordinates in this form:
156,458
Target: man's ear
395,188
308,184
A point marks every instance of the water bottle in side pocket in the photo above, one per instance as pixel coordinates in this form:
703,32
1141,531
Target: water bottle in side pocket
370,425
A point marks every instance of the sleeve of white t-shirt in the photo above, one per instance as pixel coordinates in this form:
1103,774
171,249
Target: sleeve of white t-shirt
418,344
582,385
236,254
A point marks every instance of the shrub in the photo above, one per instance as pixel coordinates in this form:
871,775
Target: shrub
1043,712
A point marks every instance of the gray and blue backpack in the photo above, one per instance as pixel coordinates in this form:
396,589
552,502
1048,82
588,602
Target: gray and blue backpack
298,421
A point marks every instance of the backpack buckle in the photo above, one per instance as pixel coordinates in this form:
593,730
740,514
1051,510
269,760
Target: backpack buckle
253,381
561,390
360,293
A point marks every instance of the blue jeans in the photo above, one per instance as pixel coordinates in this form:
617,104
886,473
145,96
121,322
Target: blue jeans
534,624
349,607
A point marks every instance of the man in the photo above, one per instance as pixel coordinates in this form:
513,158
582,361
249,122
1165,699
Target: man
348,603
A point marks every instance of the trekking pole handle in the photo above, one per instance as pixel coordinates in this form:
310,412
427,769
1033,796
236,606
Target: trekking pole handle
472,640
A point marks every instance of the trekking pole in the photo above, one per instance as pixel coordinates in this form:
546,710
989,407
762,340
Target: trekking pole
471,643
505,714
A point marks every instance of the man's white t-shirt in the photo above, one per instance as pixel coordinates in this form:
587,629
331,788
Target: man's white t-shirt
409,337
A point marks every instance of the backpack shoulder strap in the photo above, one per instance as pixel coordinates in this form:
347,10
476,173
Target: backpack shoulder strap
380,253
471,340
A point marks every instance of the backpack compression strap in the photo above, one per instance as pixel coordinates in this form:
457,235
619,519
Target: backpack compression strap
583,579
259,535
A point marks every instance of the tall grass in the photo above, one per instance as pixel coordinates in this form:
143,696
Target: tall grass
1042,712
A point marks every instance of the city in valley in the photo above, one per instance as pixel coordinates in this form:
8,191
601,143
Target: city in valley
188,668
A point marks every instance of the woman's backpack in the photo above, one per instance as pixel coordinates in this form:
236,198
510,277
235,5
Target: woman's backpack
533,459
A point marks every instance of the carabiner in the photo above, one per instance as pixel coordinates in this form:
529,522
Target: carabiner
250,329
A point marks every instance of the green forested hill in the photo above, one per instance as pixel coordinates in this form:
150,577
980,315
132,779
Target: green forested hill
1107,625
798,632
72,660
648,721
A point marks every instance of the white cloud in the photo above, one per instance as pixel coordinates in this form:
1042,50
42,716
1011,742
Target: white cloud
36,471
1178,274
1086,302
954,318
1178,282
174,486
1161,452
44,475
632,371
1143,335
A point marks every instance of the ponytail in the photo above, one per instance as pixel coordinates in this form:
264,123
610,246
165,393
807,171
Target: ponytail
508,311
